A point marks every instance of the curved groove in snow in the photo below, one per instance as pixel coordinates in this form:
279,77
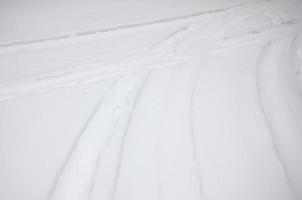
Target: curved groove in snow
285,134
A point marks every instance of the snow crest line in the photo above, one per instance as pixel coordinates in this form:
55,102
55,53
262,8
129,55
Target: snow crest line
11,47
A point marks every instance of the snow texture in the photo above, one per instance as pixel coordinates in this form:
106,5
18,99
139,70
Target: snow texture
103,100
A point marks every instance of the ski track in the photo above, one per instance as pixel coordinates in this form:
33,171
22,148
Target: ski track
76,180
262,106
193,134
68,157
289,77
70,184
76,142
131,104
277,115
124,136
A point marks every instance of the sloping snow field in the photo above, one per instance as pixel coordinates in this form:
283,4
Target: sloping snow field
137,100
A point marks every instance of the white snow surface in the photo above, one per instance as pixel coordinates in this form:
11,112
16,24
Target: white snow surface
143,100
34,19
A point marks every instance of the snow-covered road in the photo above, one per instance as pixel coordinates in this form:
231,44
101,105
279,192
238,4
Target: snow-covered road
203,106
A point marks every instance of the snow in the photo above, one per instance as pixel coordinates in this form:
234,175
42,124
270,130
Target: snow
111,100
32,19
